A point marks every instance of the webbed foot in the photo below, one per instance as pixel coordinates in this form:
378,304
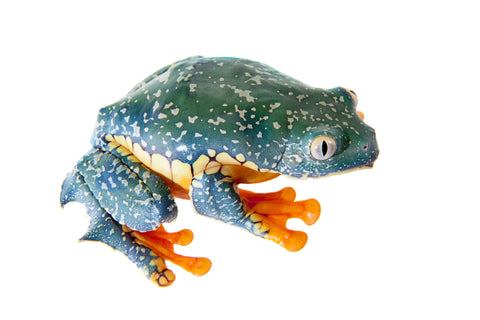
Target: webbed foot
271,211
161,243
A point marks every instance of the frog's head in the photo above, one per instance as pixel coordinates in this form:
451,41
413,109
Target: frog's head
334,139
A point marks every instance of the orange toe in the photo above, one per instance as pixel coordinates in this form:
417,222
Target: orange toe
288,194
289,239
183,237
295,241
251,198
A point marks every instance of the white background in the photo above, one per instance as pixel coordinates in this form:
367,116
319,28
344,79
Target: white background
400,241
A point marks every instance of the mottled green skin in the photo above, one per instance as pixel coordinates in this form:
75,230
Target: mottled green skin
241,107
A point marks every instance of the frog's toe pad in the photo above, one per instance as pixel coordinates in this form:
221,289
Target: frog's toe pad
311,211
164,278
198,266
183,237
295,241
291,240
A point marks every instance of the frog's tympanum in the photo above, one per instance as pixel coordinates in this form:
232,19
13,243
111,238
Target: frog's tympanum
195,130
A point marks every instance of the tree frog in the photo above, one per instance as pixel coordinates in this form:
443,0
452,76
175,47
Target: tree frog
198,128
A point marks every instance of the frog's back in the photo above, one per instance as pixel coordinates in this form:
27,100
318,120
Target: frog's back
199,104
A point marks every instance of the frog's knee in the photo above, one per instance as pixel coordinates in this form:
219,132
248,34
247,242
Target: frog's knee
132,196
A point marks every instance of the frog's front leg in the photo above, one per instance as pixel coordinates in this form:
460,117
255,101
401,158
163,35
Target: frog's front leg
264,215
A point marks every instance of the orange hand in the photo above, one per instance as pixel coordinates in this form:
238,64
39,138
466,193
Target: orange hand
270,212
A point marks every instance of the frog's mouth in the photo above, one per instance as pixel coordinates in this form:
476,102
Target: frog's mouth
367,166
300,176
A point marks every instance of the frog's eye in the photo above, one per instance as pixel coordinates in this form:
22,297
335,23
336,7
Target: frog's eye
353,95
323,148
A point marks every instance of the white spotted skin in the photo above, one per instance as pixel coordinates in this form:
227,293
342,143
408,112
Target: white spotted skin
109,231
240,107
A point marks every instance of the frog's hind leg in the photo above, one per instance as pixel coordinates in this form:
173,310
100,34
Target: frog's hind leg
128,205
264,214
105,229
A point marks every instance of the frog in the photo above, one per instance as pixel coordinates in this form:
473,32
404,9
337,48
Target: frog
198,128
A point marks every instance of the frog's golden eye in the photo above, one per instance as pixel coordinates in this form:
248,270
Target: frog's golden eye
323,148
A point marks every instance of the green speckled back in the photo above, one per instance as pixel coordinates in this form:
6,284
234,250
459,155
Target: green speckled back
241,107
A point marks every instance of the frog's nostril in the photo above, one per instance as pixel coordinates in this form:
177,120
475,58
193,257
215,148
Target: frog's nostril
365,147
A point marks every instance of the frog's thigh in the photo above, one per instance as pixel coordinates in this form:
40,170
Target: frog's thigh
105,229
125,189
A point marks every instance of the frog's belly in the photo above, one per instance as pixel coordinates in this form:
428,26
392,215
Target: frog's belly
178,175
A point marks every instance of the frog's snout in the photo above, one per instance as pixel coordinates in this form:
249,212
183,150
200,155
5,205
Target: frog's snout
370,147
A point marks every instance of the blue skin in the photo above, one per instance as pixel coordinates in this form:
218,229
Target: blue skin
82,186
222,104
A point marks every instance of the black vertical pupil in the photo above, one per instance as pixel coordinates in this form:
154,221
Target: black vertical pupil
324,148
